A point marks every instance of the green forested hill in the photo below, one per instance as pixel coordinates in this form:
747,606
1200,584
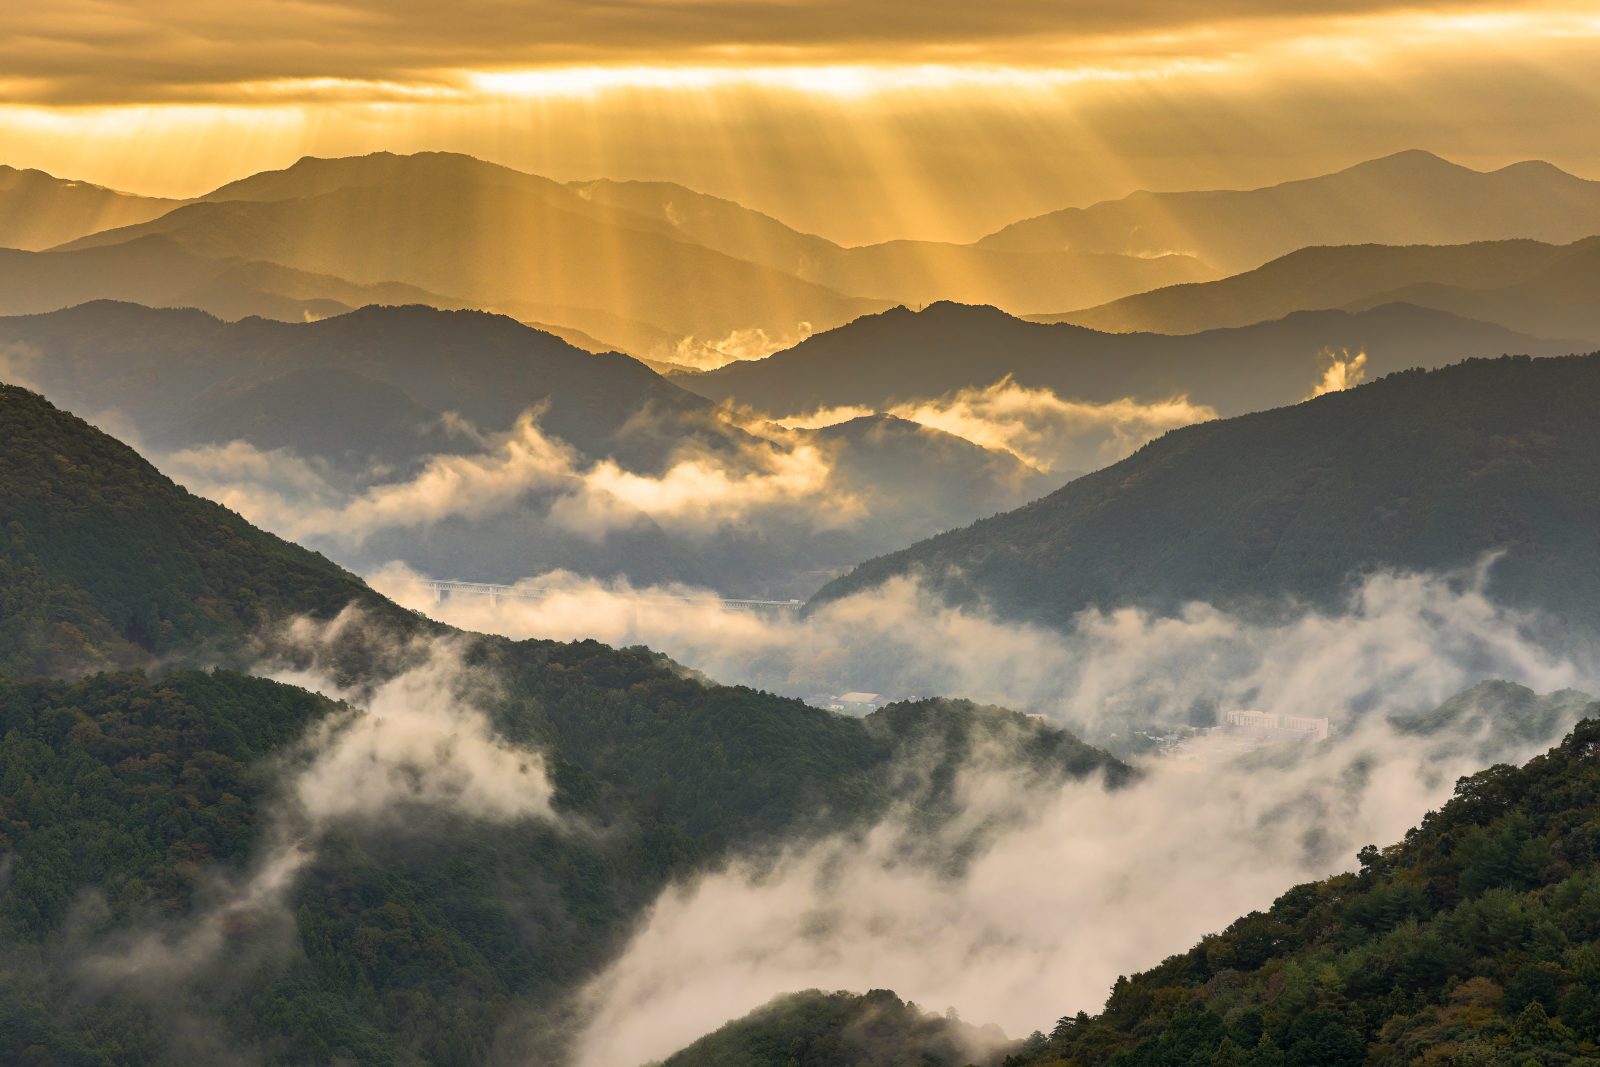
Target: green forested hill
104,562
1420,470
1473,941
817,1029
127,799
128,783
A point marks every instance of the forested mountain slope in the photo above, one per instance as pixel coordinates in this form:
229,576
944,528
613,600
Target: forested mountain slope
1422,470
104,562
422,933
1471,941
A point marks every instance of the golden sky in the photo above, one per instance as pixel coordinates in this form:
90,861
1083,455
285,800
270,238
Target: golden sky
859,119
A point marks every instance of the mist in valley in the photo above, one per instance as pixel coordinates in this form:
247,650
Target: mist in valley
696,534
1031,903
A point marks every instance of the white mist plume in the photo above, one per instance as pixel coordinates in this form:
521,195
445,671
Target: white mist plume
156,958
750,343
816,420
416,740
1344,371
699,493
1080,885
1050,433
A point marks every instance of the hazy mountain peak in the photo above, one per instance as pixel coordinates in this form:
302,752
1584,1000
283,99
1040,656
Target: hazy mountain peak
1537,168
39,210
106,311
13,177
881,422
1407,162
313,175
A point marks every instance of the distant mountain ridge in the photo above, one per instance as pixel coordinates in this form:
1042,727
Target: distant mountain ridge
371,397
39,210
1411,197
902,354
166,368
1521,285
609,259
500,239
156,271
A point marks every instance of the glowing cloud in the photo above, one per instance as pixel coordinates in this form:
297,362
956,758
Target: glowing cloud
1405,640
1034,424
696,493
1344,371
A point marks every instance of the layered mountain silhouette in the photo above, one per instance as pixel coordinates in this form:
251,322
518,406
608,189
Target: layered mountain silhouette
1411,197
613,260
1522,285
911,272
1421,471
499,238
39,210
372,397
182,376
902,354
678,276
158,272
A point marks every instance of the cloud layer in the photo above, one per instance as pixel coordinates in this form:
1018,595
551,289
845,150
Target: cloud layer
1402,640
774,478
696,493
123,50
